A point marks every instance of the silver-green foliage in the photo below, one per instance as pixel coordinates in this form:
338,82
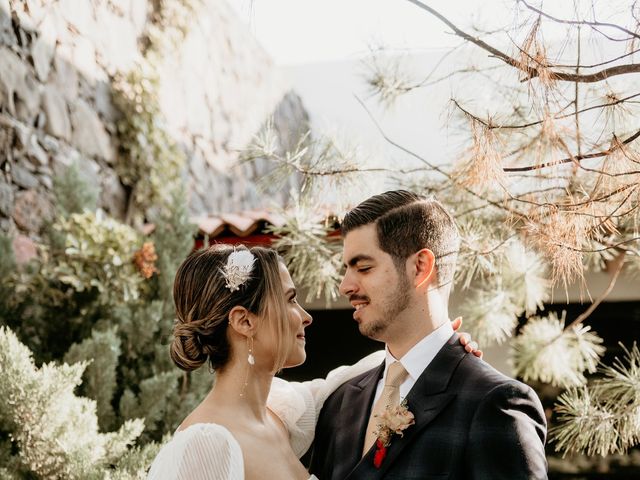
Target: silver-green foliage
101,352
547,352
56,432
98,253
603,417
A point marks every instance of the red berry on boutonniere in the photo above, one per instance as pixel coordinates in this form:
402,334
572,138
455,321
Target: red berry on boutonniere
381,452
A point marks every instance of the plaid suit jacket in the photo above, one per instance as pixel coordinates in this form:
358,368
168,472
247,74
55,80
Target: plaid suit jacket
472,422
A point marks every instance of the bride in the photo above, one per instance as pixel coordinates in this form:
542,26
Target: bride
237,311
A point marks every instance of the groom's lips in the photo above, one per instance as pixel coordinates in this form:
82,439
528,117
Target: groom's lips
359,305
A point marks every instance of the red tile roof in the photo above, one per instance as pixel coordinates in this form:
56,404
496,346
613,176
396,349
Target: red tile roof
240,224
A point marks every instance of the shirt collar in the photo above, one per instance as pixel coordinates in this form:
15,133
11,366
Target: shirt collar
422,353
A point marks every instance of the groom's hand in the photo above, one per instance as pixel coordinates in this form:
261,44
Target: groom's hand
465,339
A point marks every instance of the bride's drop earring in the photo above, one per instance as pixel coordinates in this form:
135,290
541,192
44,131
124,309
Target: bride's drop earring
251,360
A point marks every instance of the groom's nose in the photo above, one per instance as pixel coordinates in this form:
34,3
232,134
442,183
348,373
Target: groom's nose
348,285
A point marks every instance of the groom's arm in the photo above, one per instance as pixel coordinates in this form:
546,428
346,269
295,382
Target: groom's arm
507,435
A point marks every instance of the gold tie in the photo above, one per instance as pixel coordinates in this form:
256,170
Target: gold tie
390,397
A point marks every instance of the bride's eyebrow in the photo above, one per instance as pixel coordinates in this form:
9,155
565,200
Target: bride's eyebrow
290,291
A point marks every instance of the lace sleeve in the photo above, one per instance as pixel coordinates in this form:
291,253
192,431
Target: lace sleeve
298,404
204,451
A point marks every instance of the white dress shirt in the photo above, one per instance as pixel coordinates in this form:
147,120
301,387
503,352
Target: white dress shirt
416,360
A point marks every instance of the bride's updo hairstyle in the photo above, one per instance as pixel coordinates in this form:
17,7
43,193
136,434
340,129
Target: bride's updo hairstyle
203,301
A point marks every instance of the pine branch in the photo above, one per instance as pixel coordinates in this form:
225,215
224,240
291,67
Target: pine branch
602,418
575,158
584,315
579,22
492,126
530,71
545,351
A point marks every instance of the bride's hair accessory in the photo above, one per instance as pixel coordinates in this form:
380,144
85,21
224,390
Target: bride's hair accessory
238,269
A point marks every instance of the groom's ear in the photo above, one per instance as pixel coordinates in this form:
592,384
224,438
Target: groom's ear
242,321
423,267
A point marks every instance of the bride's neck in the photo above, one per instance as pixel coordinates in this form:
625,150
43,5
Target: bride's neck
241,386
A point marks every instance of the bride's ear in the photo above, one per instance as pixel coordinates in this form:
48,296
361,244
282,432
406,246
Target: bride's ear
242,321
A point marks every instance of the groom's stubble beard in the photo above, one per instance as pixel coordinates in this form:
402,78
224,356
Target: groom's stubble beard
390,307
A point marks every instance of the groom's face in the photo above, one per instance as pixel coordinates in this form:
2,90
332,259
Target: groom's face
373,284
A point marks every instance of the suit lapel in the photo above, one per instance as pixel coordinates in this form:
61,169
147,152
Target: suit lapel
426,400
355,409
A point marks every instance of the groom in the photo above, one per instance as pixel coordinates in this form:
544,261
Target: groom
469,420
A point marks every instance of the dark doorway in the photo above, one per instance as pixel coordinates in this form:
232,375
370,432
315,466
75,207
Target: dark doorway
333,339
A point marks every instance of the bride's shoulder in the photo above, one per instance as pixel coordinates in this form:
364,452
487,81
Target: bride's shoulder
191,450
210,432
210,437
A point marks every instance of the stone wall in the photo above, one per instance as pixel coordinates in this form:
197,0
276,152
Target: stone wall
57,63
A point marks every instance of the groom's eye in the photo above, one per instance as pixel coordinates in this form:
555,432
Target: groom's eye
363,269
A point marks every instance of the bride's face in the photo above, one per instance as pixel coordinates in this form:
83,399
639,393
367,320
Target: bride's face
298,317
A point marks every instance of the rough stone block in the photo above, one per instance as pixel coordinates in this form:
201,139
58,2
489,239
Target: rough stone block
6,199
113,196
24,249
58,123
46,181
104,103
65,74
23,177
6,32
31,210
37,154
13,73
28,104
89,134
44,48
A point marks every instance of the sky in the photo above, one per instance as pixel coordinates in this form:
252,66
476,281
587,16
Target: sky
309,31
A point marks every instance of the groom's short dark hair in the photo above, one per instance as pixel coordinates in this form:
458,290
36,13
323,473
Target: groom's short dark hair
406,223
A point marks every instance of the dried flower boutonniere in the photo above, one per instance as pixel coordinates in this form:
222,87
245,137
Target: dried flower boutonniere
393,421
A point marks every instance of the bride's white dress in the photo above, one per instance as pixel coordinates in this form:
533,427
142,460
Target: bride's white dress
208,451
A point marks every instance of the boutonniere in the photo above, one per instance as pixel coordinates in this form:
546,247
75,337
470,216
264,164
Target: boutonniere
393,421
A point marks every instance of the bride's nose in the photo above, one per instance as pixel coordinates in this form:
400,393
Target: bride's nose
306,318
